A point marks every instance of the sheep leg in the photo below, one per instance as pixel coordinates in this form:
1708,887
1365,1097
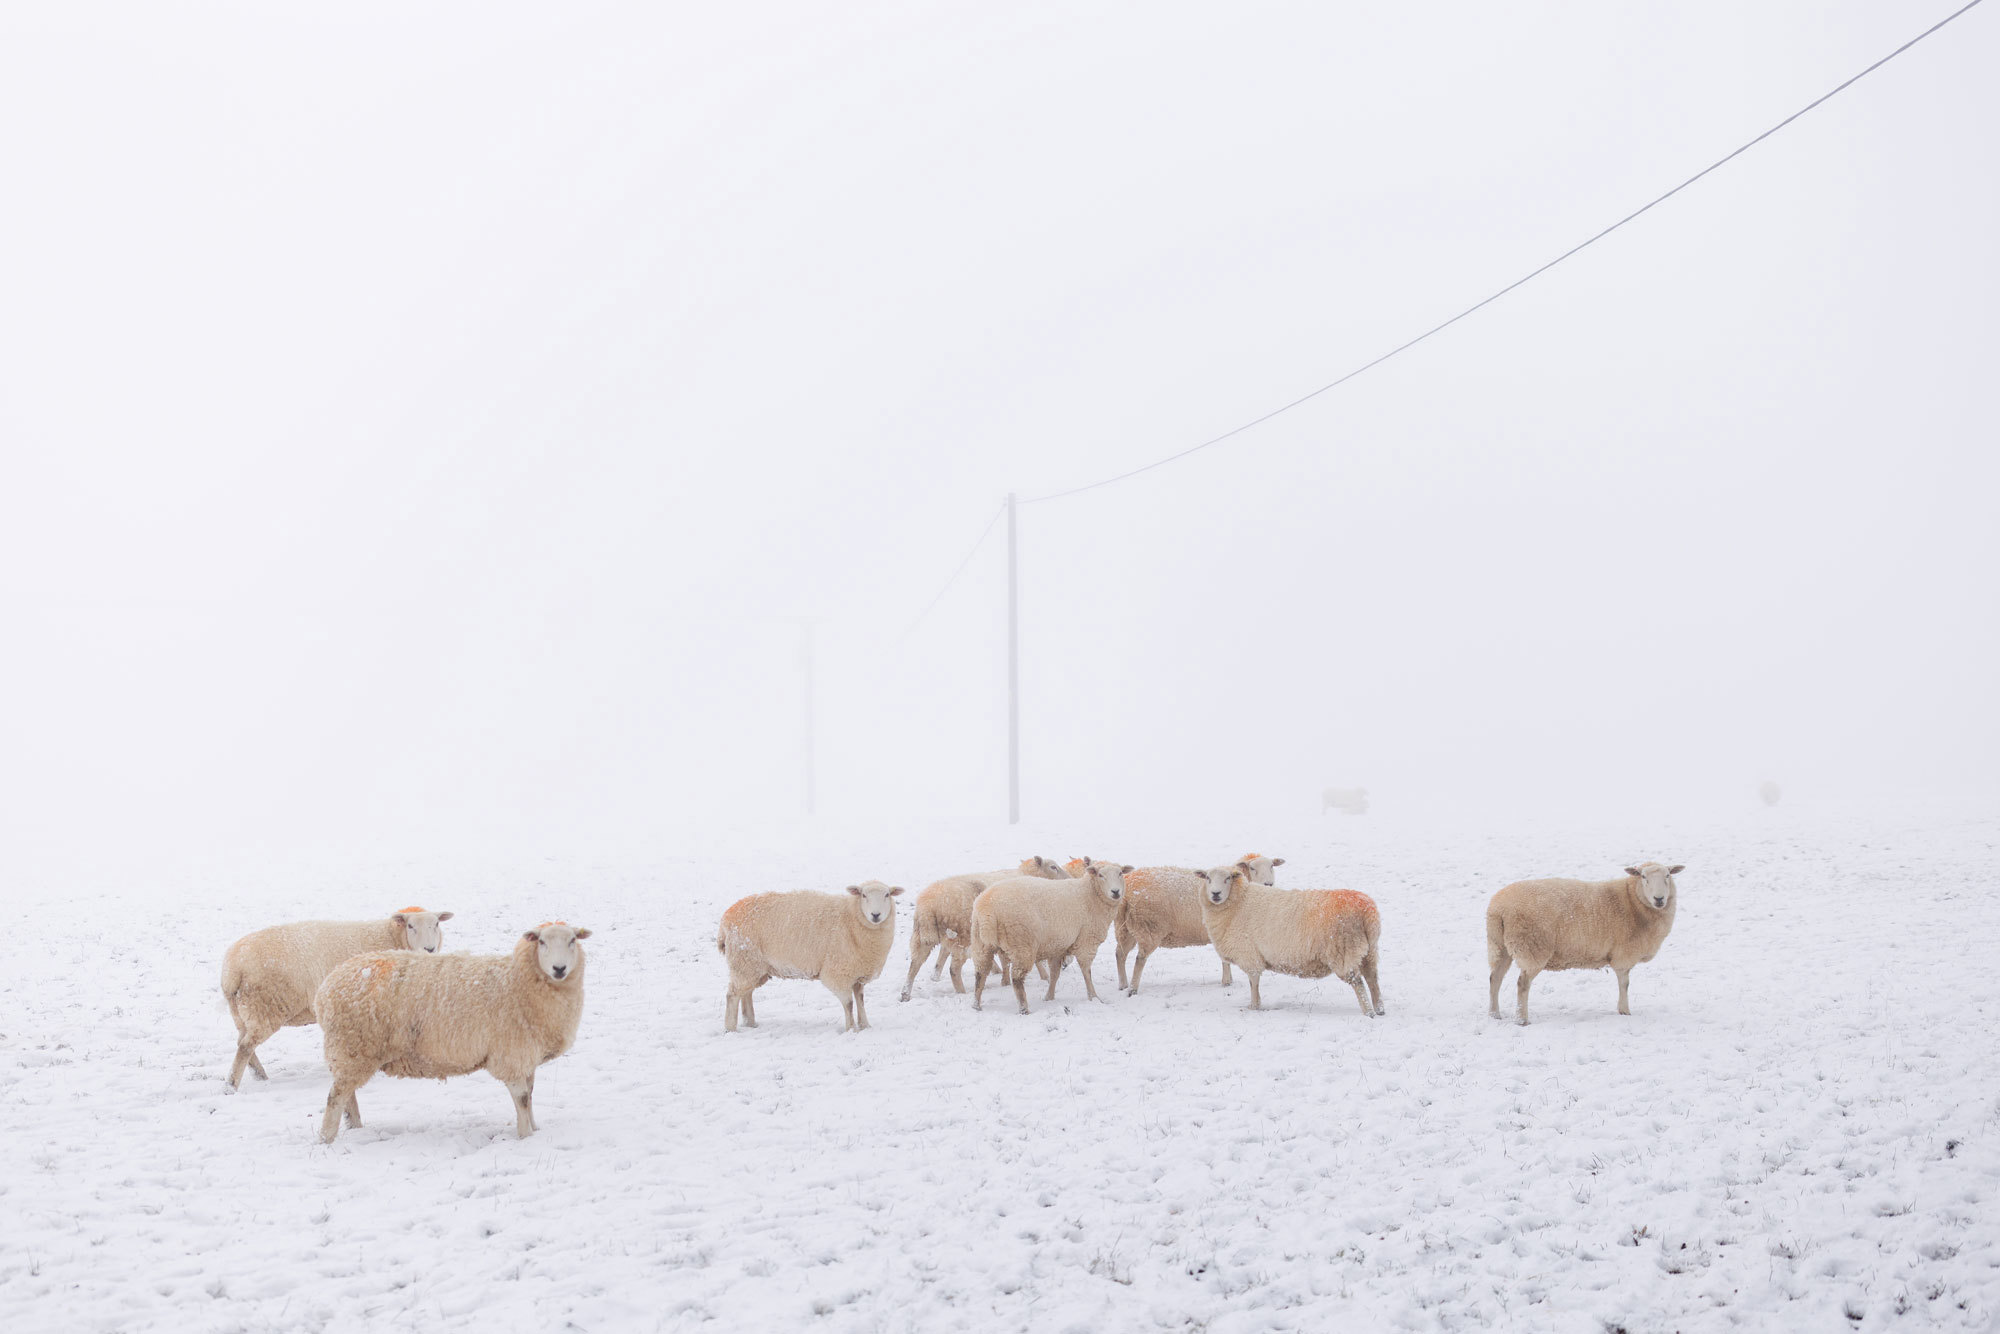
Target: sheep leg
1502,961
1360,993
1083,962
1525,980
1138,967
1256,997
1055,971
340,1098
1021,988
522,1091
1125,943
730,1004
917,963
245,1054
750,1007
1227,980
957,970
1624,980
845,994
1042,968
248,1039
980,968
860,1008
354,1111
1368,966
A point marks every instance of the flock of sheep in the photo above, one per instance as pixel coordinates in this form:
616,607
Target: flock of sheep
387,1001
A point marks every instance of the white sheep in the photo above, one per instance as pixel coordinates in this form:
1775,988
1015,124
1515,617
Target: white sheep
839,940
1028,921
1162,910
269,976
941,917
1353,800
1303,932
1546,925
432,1016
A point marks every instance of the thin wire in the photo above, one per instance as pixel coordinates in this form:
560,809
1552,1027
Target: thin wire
1584,245
980,542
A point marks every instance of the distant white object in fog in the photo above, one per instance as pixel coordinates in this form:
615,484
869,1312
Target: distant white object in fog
1769,792
1353,800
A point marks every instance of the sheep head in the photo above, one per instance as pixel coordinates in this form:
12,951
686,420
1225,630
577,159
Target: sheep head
421,930
1223,880
1261,867
877,902
1654,887
557,953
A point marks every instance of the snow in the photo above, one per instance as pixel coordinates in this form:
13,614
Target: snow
1798,1126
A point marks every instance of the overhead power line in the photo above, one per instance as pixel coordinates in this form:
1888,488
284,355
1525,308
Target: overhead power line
978,542
1525,278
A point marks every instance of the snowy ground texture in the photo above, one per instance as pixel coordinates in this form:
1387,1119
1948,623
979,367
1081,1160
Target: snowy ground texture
1798,1127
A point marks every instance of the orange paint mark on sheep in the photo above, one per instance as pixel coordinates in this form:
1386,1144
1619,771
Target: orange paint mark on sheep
409,910
744,910
1333,906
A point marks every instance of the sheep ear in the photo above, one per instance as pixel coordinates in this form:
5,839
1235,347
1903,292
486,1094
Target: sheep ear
444,917
1202,874
1243,867
583,933
855,890
535,936
1124,870
1632,870
1277,861
1675,870
894,890
401,919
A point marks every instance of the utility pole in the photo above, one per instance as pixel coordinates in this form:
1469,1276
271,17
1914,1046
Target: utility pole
1013,670
806,662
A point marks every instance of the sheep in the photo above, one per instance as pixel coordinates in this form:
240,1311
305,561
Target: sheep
1304,932
426,1016
941,917
1162,910
1353,800
1026,921
1557,924
269,976
839,940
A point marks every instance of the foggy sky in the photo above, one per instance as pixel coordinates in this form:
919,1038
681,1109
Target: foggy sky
432,424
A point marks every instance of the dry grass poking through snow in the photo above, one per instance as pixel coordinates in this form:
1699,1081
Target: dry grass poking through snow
1799,1126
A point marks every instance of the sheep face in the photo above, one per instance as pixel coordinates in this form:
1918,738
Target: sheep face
422,930
1222,881
878,906
1263,870
557,953
1655,889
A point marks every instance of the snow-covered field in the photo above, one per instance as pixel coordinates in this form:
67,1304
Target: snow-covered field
1798,1127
